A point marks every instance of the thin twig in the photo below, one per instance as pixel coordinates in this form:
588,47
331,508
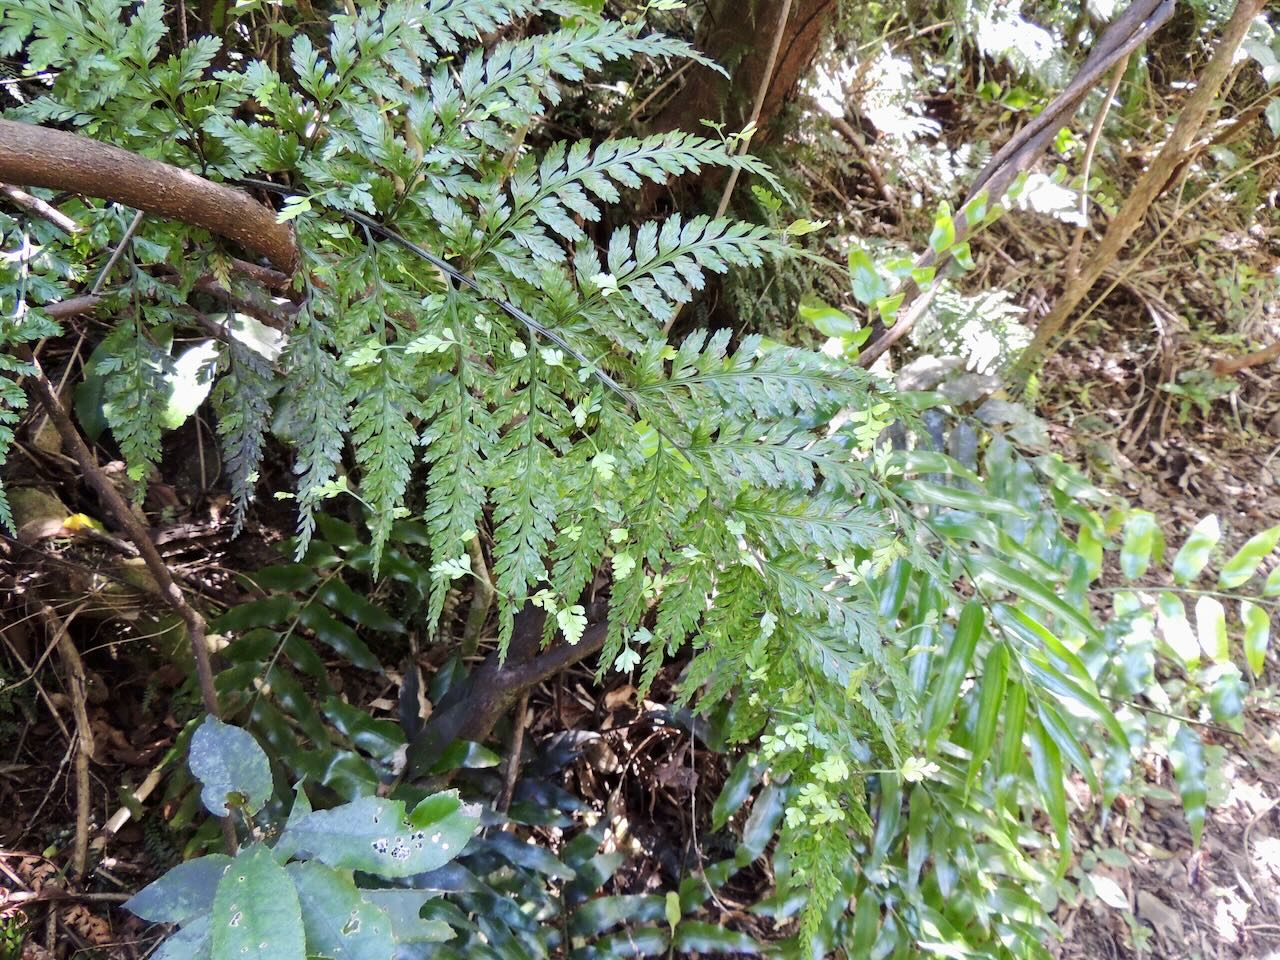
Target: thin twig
41,208
481,599
77,686
116,254
133,527
1072,266
765,80
513,754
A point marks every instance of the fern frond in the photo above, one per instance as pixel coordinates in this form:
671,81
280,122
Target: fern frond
383,438
317,419
827,524
771,383
133,369
13,399
242,399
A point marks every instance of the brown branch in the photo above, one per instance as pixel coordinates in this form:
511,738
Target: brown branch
1229,365
35,156
197,633
41,208
1139,21
1149,186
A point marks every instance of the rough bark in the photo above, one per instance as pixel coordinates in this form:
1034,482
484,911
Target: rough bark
737,35
34,156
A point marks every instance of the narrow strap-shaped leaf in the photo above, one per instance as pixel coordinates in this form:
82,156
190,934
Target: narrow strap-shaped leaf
1189,770
1211,629
953,669
1194,554
933,495
1011,749
1241,567
1046,765
993,572
995,677
1069,746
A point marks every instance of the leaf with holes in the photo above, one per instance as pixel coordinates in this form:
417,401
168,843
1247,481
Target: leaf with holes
374,835
340,923
256,913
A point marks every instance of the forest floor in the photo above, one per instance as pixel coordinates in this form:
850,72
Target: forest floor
1182,462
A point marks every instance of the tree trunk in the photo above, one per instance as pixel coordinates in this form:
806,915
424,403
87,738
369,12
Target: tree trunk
737,34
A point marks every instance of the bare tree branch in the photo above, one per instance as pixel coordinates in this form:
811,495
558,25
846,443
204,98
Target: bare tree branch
35,156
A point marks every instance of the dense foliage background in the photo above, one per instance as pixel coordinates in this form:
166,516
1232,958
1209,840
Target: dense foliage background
545,478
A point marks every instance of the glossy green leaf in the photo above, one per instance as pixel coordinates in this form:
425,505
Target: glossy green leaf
376,737
1241,567
602,913
193,942
266,612
1257,635
403,908
995,675
952,669
1069,746
933,495
1194,554
1272,587
231,767
338,596
893,588
256,912
1011,743
919,461
1186,753
1142,538
920,825
341,638
1211,629
866,923
826,319
1175,629
737,788
339,922
1046,765
184,892
996,573
1226,696
706,939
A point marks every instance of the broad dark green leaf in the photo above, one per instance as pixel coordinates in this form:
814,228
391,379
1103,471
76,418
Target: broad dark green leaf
705,939
741,780
336,634
339,922
256,913
266,612
374,835
338,596
600,914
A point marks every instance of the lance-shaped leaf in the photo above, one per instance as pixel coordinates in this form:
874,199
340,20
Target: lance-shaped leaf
1189,770
1241,567
1195,552
1257,634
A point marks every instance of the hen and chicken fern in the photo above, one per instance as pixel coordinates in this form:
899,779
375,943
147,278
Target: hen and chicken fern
488,352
